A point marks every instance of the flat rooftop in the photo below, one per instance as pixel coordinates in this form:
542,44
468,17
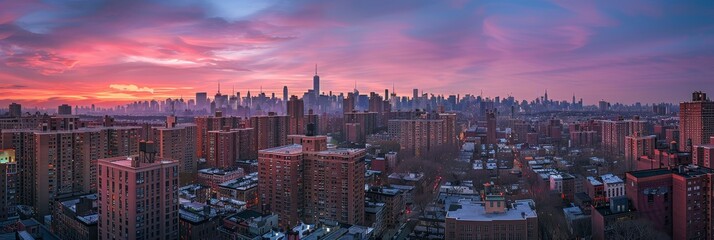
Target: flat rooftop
287,149
650,172
466,210
126,162
342,151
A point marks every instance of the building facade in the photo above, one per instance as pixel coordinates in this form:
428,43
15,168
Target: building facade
138,197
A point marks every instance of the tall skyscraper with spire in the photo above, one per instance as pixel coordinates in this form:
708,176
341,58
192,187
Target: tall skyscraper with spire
316,83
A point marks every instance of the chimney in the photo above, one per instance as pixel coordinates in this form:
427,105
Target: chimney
134,162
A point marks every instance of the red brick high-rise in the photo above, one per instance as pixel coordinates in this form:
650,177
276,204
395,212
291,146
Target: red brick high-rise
61,163
703,155
696,121
177,141
296,112
614,133
227,146
418,135
138,196
8,183
364,123
677,201
308,182
212,123
270,130
637,146
491,128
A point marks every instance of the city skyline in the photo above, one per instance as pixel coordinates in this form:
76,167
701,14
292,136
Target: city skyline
112,53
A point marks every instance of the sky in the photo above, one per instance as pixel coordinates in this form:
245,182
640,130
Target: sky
113,52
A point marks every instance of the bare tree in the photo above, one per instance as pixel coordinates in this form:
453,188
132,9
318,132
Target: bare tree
635,229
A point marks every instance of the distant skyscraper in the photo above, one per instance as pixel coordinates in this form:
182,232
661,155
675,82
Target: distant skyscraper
201,100
285,93
15,110
218,99
696,121
348,104
149,192
604,106
64,109
316,83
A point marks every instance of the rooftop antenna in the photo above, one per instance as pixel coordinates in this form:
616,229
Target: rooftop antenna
219,86
315,69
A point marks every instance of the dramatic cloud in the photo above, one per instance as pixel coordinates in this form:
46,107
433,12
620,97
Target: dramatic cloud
130,88
620,51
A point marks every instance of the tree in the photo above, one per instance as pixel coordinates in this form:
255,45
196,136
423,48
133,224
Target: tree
635,229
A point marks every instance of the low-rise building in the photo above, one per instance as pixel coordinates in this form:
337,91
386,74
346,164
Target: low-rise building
374,216
244,189
75,217
247,224
197,221
394,204
491,219
213,176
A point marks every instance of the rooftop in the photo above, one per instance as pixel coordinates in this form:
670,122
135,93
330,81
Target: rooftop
342,151
126,162
594,181
466,210
287,149
246,182
611,179
649,173
217,171
384,190
574,212
693,171
412,176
